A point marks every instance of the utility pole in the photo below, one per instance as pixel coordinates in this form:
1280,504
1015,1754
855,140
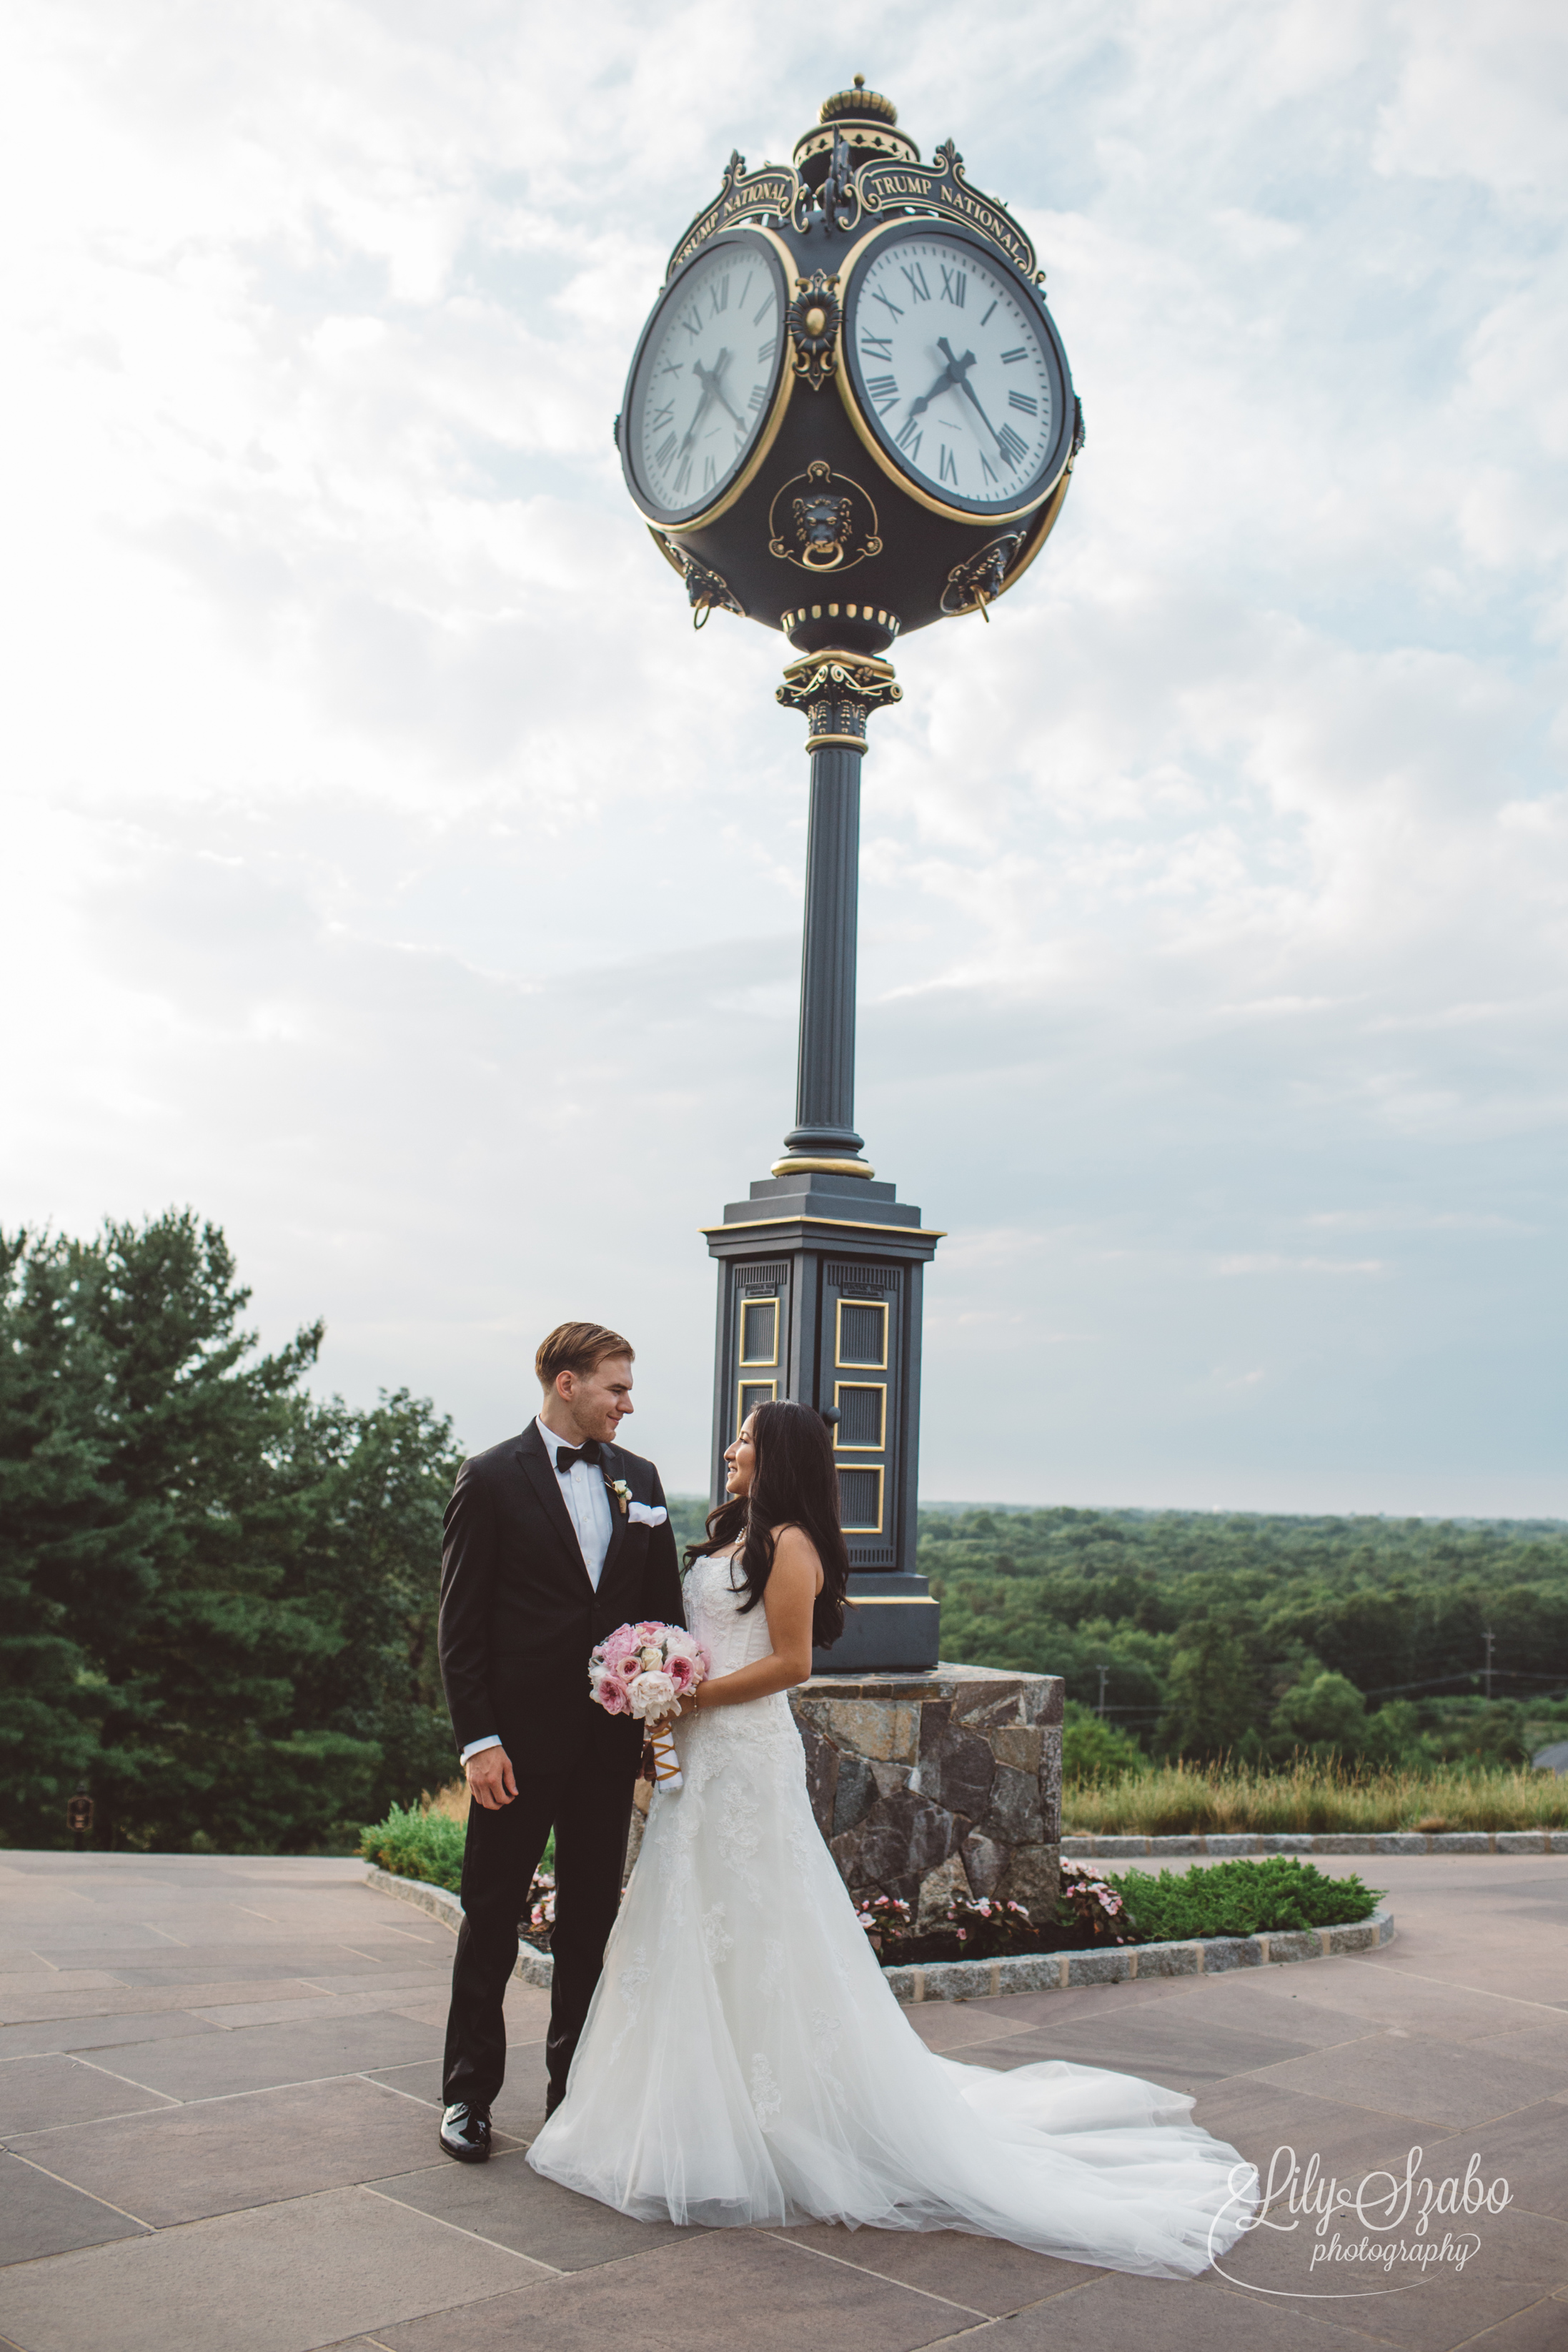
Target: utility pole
1104,1672
1489,1637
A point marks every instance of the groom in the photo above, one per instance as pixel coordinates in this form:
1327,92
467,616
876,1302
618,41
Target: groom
553,1540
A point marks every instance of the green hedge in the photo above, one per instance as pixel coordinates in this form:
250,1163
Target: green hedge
1238,1898
417,1846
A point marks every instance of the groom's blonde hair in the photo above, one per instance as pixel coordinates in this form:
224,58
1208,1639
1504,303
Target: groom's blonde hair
578,1347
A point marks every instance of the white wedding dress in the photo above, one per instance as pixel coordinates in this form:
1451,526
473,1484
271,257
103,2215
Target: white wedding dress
744,2063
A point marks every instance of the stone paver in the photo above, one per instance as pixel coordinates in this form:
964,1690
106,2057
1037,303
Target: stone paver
219,2088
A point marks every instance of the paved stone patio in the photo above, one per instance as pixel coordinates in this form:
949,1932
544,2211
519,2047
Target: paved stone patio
219,2088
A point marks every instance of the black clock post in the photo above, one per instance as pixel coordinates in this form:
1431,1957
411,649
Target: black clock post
850,415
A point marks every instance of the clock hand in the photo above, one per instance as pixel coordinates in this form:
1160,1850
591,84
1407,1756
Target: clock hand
964,386
710,385
944,384
720,365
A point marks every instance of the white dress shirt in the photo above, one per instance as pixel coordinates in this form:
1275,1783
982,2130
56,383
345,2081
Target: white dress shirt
587,1501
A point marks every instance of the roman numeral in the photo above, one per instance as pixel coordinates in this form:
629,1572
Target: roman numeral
719,295
988,312
988,469
876,346
692,320
741,299
683,476
947,469
756,400
1021,353
765,351
709,472
909,438
917,278
665,451
661,417
1022,399
953,282
671,367
878,296
758,316
1012,447
884,391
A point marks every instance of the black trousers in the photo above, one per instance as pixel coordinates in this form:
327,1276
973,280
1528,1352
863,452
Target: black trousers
588,1804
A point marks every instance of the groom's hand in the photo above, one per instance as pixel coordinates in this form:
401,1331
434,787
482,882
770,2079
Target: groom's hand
491,1781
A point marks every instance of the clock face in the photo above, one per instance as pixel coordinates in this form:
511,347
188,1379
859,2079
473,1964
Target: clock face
957,370
703,383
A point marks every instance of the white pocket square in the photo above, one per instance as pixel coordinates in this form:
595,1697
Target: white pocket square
648,1514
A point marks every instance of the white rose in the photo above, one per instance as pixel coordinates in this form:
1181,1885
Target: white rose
679,1644
651,1694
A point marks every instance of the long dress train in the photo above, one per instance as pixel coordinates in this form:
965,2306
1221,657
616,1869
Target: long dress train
743,2062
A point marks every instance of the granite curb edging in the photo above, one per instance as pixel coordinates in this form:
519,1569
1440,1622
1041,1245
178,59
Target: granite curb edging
1031,1972
1137,1848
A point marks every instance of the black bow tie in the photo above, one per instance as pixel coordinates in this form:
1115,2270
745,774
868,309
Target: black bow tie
568,1456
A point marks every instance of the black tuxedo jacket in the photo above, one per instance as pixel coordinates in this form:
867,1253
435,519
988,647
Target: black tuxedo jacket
519,1614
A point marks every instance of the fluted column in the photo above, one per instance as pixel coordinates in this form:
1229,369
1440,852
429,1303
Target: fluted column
837,692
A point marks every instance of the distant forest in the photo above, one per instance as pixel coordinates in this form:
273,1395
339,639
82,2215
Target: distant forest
1258,1634
218,1588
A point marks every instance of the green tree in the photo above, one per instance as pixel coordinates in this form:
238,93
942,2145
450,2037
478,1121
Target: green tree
1323,1712
1094,1751
1209,1706
220,1592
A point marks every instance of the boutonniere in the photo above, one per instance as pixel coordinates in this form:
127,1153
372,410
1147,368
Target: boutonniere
621,1493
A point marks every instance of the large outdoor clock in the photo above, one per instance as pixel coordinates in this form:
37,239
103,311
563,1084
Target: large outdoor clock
706,380
850,413
955,373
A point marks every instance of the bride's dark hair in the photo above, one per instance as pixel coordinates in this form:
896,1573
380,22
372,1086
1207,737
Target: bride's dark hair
795,1485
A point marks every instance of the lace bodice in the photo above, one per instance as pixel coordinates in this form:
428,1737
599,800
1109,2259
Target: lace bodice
713,1613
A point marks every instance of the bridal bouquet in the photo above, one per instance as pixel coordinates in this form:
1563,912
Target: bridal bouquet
646,1671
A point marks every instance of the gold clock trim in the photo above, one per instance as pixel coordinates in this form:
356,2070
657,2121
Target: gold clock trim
843,1364
880,1443
894,472
743,1408
759,1363
1053,512
867,1526
769,433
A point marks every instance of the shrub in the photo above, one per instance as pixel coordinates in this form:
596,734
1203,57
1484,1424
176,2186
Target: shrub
411,1844
1239,1898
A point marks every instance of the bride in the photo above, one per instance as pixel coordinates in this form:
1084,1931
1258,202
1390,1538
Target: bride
743,2062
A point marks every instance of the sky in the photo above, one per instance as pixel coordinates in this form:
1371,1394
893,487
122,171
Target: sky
394,875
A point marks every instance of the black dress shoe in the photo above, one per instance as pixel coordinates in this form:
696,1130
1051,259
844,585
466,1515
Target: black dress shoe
466,2132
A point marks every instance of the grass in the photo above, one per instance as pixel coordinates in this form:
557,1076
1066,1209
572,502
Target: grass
1190,1800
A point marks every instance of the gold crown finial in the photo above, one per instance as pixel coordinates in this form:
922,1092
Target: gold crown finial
858,105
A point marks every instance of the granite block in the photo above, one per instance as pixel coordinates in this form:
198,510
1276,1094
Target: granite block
984,1862
956,1769
1242,1843
1167,1960
1455,1841
1293,1944
1014,1814
1114,1967
884,1728
1389,1842
1223,1953
1020,1745
855,1792
1523,1842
